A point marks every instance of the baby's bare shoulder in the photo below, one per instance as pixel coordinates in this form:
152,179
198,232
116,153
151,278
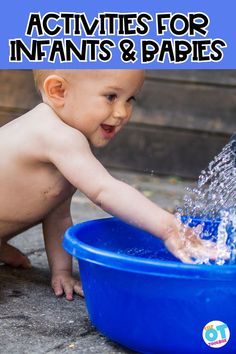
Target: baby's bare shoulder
46,132
57,135
40,135
51,126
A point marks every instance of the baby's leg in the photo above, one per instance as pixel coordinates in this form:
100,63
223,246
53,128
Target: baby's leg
12,256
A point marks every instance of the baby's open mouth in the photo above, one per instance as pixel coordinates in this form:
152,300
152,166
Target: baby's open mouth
108,128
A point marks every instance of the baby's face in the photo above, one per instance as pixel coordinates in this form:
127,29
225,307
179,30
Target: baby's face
100,102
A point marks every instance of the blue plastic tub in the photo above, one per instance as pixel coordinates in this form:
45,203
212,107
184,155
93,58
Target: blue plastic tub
142,297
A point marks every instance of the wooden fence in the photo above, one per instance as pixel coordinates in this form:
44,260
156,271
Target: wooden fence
181,120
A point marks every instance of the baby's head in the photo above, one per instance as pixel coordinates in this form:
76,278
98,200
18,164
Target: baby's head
96,102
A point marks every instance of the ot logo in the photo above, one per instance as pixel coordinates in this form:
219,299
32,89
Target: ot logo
216,334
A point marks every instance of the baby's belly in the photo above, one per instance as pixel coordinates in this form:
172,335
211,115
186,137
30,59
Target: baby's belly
20,219
25,213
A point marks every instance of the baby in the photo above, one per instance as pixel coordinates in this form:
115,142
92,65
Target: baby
45,156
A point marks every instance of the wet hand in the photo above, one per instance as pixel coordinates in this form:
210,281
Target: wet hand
63,283
186,245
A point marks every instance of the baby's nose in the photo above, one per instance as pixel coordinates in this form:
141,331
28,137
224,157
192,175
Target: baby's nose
120,112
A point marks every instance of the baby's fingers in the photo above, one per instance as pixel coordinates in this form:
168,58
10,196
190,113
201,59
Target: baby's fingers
63,284
204,250
67,285
57,287
69,289
78,288
196,254
192,249
183,256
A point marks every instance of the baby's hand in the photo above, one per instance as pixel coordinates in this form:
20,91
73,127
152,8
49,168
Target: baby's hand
187,246
63,283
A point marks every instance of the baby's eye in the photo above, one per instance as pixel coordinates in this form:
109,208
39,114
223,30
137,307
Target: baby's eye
111,97
132,99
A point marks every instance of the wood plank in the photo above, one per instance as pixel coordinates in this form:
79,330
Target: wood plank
17,89
177,128
204,108
7,115
162,151
206,77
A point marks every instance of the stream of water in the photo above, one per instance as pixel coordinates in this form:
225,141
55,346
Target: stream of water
214,198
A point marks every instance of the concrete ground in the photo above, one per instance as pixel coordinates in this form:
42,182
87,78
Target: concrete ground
32,319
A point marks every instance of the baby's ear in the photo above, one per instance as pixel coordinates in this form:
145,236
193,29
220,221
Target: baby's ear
54,88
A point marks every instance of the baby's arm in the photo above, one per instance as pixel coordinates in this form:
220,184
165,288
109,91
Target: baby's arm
60,262
77,163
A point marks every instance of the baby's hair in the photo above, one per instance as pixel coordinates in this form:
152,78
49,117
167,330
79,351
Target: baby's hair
40,76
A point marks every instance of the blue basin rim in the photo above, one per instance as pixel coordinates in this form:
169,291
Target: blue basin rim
83,251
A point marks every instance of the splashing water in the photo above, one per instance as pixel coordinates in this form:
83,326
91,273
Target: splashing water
214,198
